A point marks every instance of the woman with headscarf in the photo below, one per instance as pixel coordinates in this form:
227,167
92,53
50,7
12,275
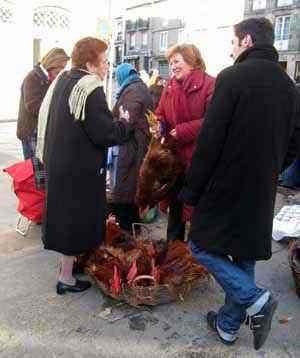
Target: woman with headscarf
133,95
33,90
181,113
74,131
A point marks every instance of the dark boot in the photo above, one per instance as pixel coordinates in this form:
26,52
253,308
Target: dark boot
211,319
260,323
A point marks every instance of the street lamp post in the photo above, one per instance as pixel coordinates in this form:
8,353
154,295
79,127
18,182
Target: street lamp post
111,55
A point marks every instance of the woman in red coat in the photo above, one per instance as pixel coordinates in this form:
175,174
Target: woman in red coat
181,112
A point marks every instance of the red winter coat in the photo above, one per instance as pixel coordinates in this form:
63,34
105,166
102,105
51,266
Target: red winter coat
183,106
195,93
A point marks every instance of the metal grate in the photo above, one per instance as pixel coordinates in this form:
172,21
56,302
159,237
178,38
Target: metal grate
51,17
6,14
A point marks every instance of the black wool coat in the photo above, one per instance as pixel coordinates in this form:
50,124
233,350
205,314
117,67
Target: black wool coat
250,133
137,100
75,159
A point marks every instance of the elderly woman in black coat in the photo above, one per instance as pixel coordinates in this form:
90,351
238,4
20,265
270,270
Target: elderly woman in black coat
75,130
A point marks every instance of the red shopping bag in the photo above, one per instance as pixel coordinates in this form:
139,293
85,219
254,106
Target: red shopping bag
31,200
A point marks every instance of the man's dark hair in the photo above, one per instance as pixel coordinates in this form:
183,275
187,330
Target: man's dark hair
260,29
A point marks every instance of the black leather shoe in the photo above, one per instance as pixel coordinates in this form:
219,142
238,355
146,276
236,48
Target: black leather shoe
80,286
260,323
211,319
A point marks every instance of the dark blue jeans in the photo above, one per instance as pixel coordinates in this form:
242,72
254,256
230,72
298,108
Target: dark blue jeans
291,176
29,146
236,277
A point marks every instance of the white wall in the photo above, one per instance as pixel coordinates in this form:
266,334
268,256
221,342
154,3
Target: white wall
16,45
16,41
210,28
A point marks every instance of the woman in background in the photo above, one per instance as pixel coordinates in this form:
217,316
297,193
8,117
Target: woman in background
156,90
33,90
133,95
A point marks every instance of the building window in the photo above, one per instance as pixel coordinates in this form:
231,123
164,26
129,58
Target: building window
282,32
118,54
163,41
284,3
163,68
297,72
132,41
119,31
144,39
119,27
282,28
146,64
258,4
181,36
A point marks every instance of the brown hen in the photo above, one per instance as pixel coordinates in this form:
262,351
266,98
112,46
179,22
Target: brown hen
158,173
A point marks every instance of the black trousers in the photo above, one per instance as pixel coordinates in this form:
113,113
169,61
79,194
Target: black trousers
176,227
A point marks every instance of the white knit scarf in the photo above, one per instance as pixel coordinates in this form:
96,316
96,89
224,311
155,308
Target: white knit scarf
77,101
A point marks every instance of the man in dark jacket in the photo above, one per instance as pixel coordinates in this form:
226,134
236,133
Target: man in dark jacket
250,133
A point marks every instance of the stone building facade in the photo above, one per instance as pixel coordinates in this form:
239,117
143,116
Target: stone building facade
153,26
149,31
285,15
165,33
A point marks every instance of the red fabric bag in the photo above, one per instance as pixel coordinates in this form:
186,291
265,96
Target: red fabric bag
31,200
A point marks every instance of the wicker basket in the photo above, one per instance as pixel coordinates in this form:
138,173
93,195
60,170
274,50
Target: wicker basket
151,295
144,290
294,261
159,294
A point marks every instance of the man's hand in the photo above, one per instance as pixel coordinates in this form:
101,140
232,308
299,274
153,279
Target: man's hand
124,114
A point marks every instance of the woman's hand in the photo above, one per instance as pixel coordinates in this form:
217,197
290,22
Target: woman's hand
155,131
111,218
173,133
124,114
143,211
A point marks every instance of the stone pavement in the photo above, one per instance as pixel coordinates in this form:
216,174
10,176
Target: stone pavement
35,322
